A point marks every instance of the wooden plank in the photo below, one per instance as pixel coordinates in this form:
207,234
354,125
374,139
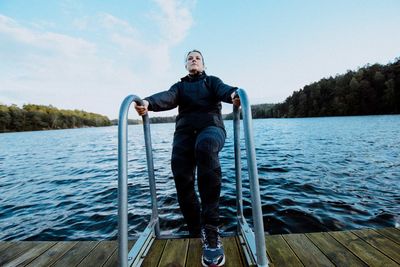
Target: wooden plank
15,250
391,233
306,251
241,253
232,253
5,244
175,253
279,252
381,243
31,254
363,250
113,259
154,254
76,254
53,254
335,251
350,248
99,255
194,253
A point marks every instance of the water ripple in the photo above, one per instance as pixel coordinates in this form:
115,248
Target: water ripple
316,174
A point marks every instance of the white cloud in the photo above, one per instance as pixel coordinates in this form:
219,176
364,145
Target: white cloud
81,23
95,74
174,22
52,68
10,29
176,19
143,56
113,23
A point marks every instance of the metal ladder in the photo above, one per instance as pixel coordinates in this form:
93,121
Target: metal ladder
253,243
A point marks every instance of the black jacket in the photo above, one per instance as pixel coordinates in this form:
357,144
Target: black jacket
199,101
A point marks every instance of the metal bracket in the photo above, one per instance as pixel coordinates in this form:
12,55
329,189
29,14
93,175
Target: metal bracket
142,246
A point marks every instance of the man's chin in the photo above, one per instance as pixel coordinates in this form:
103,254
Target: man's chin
195,72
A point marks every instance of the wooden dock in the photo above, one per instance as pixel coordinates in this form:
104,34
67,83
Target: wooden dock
346,248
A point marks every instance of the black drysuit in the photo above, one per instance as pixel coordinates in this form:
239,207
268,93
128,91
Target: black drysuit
198,138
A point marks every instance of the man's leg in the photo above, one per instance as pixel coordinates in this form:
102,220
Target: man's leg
183,168
209,143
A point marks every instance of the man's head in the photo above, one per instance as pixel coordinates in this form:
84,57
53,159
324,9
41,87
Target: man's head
194,62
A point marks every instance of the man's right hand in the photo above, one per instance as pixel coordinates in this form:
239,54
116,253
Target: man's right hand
142,110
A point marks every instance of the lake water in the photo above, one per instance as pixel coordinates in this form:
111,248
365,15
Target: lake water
316,174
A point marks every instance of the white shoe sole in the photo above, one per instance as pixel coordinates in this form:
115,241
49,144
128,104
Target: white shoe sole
220,264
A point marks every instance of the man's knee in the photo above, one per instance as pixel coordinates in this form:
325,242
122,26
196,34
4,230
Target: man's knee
211,140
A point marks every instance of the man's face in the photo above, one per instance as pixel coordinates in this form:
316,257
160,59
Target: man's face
194,63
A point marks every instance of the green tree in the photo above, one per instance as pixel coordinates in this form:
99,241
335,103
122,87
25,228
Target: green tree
17,118
5,118
372,89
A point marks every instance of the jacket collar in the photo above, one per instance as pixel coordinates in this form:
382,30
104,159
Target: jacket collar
194,78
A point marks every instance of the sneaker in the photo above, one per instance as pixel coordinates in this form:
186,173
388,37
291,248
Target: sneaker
213,251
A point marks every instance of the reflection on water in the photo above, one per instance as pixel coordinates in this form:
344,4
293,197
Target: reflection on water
316,174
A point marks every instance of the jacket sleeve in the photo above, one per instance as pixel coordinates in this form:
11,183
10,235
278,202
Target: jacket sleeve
221,90
165,100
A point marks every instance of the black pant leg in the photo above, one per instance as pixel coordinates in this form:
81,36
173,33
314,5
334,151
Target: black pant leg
183,168
209,143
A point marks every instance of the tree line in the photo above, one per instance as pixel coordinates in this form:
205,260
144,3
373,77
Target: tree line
257,112
152,120
39,117
370,90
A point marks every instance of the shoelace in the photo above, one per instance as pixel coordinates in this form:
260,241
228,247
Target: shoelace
211,237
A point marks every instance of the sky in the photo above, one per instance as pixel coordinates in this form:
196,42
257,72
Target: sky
89,55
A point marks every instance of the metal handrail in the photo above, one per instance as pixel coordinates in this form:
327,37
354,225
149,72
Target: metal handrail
253,244
254,241
153,229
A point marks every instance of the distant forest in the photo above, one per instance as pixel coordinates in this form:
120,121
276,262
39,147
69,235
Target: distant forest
371,90
257,112
152,120
38,117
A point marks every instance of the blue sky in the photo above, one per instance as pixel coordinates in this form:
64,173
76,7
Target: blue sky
90,54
